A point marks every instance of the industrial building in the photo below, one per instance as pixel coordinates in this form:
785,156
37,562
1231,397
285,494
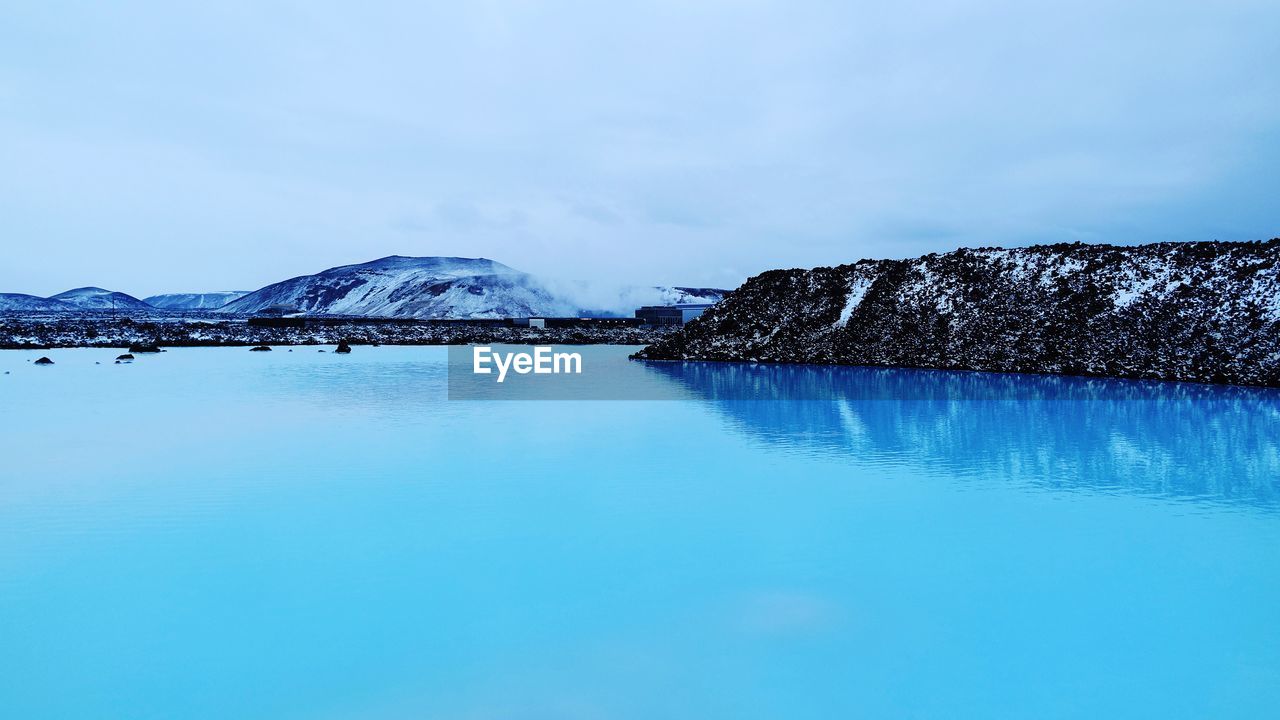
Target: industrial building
298,321
576,322
670,314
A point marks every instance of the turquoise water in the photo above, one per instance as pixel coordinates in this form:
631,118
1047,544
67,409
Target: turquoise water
213,533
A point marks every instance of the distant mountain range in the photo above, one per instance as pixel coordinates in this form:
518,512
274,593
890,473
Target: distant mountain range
17,302
395,286
419,287
194,301
78,300
95,298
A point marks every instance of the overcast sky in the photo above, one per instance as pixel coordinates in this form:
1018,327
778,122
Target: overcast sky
151,148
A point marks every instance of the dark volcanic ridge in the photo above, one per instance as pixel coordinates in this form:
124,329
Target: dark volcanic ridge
1201,312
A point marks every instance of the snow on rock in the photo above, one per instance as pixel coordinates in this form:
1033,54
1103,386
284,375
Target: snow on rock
1203,311
857,290
418,287
94,298
18,303
157,331
194,301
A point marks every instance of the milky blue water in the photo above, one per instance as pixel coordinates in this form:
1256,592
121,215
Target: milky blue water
214,533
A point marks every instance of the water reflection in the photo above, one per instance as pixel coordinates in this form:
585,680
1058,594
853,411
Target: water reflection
1174,440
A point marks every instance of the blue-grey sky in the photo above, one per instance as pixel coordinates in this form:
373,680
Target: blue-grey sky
165,147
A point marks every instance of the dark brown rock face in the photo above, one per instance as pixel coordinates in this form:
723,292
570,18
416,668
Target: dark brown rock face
1204,312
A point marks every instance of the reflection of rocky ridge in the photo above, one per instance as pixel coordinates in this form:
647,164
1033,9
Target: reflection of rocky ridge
1208,312
1176,440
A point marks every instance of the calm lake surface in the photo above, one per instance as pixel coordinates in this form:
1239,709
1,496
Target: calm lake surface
214,533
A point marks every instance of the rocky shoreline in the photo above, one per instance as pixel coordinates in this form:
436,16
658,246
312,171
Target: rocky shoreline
40,332
1200,312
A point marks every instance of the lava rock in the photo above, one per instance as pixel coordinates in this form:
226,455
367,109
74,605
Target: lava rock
144,348
343,347
260,348
44,361
1199,312
126,356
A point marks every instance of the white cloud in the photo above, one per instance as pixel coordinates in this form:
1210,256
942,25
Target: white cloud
240,143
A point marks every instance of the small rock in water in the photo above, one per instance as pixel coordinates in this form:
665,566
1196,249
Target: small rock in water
321,351
343,347
44,361
144,348
260,348
125,356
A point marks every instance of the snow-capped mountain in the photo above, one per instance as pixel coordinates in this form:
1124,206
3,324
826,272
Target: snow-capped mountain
93,298
17,302
395,286
1204,311
419,287
194,301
